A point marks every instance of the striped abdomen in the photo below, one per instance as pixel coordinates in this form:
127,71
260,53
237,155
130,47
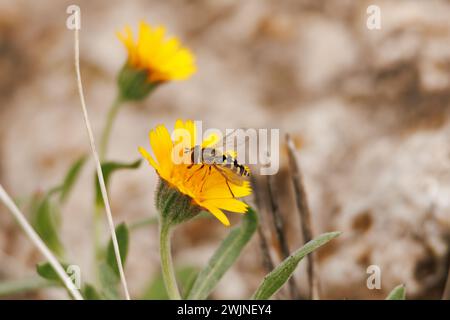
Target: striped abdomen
232,164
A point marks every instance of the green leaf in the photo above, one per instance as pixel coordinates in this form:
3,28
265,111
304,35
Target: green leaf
156,289
398,293
46,271
90,293
187,283
281,274
108,271
108,281
108,168
122,235
45,213
224,257
71,178
45,218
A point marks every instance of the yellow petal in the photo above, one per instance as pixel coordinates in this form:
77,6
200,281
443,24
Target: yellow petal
149,158
163,59
162,145
218,214
210,140
232,205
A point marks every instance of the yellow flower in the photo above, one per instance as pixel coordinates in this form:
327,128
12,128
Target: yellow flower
162,59
206,188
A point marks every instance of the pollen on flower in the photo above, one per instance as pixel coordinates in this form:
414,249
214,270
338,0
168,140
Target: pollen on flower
164,59
207,187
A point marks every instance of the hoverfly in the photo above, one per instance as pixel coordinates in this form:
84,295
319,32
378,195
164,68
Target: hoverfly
224,163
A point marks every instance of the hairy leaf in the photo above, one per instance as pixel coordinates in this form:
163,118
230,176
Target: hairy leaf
108,282
281,274
122,235
108,168
224,257
45,218
46,271
90,293
71,178
398,293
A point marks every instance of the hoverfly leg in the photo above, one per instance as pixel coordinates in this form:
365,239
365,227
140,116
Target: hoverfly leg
204,176
226,180
200,168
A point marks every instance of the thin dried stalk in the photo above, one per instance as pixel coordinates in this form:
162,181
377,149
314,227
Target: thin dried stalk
280,232
305,216
34,237
99,169
266,258
446,294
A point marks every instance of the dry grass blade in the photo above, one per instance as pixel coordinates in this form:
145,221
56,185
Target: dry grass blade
446,293
34,237
305,215
101,180
280,231
266,258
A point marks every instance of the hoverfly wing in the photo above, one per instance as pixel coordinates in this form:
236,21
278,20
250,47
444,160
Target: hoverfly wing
230,175
227,143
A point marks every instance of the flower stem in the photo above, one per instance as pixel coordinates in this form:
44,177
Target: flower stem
112,113
98,231
166,262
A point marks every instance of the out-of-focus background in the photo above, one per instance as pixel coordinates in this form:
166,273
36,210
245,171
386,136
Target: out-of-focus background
370,110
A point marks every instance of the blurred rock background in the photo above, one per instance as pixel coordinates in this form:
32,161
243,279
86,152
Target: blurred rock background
371,110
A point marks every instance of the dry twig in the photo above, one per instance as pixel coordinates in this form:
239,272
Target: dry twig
446,293
266,258
301,201
101,180
280,231
34,237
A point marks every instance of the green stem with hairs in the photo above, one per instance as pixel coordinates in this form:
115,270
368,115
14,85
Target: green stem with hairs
98,230
166,262
112,114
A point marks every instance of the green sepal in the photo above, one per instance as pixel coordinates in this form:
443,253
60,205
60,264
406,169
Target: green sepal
134,84
173,206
